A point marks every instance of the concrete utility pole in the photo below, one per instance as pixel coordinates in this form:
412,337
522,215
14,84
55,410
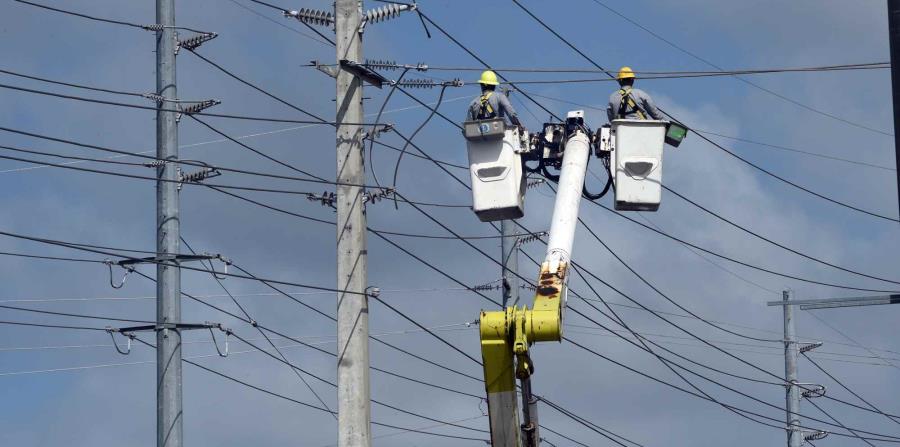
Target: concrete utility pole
354,412
168,277
791,352
510,263
894,36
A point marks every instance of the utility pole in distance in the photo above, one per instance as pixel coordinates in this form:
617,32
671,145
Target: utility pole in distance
508,245
894,37
791,352
168,274
354,411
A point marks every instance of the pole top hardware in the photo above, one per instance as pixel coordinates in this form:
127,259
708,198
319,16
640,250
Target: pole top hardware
365,73
196,107
809,346
312,16
170,258
386,12
193,42
393,65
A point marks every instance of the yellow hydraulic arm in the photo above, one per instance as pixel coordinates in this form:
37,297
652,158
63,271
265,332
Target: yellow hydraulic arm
507,335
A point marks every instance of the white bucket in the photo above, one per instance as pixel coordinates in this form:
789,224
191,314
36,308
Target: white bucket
636,161
498,186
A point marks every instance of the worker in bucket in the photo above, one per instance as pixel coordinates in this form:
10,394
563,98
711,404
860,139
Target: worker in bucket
492,104
629,102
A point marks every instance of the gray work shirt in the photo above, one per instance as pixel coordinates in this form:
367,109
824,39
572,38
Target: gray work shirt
641,99
499,104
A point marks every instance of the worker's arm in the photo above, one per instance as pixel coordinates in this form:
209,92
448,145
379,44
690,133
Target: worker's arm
471,114
508,110
612,110
649,107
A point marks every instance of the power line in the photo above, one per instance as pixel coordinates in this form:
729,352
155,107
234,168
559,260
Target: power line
744,140
838,67
693,75
845,387
777,244
257,88
272,132
701,135
752,84
737,261
281,396
153,27
285,11
137,106
792,183
258,14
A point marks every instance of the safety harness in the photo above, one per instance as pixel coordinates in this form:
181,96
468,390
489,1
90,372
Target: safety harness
486,111
628,102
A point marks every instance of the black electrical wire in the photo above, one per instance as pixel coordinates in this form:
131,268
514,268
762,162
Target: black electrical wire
51,258
151,261
744,140
271,393
444,274
314,219
255,87
779,245
761,169
413,135
375,401
590,425
100,19
374,134
838,67
314,179
263,16
822,410
52,326
791,183
561,436
717,67
702,340
737,261
693,75
286,11
256,151
160,109
799,151
666,362
480,60
332,354
845,387
144,177
261,332
444,163
72,315
709,399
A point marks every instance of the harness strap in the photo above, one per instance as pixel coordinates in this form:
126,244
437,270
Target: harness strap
486,111
628,101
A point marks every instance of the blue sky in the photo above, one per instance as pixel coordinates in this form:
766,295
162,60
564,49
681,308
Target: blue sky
109,404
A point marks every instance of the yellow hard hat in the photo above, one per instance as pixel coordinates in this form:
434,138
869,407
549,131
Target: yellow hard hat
488,78
625,73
